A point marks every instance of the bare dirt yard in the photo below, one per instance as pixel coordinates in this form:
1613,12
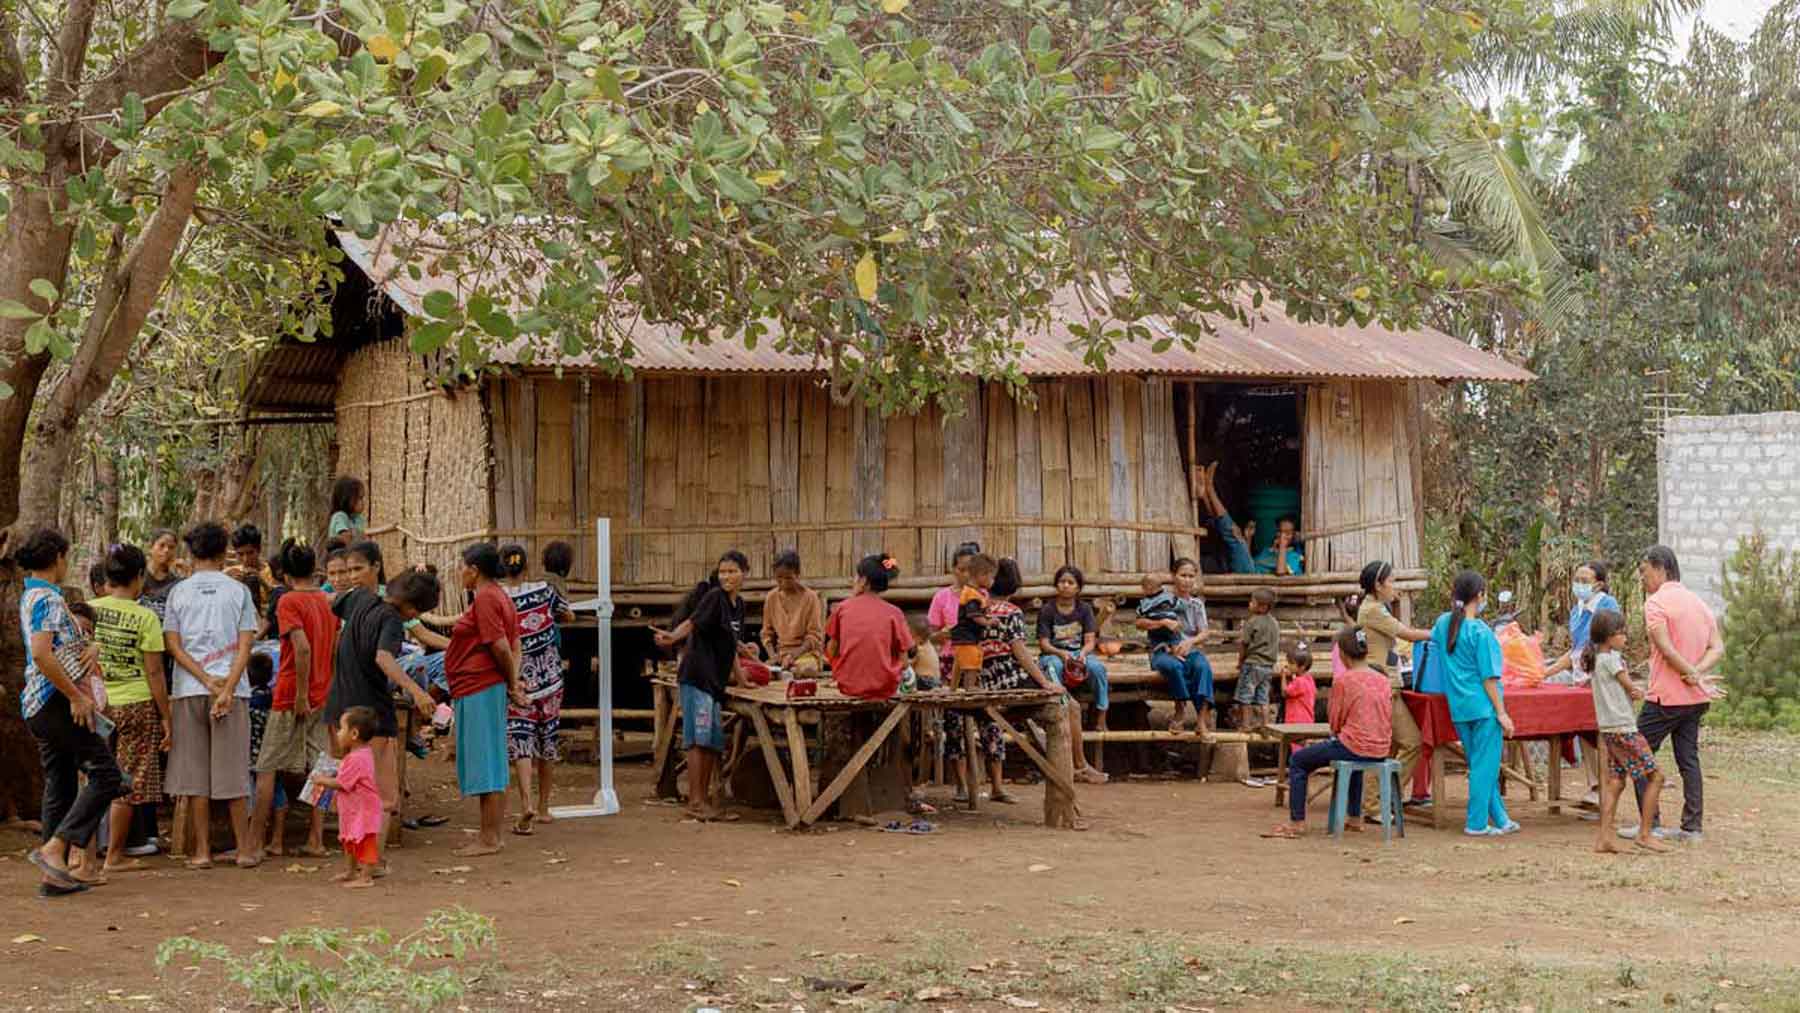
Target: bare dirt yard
1170,901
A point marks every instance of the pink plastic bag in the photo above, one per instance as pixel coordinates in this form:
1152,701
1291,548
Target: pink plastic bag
1521,657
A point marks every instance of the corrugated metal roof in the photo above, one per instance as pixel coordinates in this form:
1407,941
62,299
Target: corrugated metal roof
1274,346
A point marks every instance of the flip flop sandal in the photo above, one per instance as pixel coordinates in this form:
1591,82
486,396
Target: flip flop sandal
1004,799
433,821
62,877
1280,834
60,890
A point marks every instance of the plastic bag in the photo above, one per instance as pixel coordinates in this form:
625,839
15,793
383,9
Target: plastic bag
1521,657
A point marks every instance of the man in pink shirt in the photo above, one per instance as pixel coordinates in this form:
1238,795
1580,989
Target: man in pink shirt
1684,646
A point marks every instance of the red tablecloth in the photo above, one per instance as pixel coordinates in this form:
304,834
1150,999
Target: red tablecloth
1536,713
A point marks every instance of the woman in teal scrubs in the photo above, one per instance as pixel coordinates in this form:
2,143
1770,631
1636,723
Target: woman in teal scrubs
1471,656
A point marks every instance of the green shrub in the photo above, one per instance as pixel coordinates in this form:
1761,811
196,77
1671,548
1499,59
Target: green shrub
341,970
1761,628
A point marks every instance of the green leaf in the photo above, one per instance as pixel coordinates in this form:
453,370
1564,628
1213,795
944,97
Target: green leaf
42,288
430,337
182,10
737,186
12,309
6,390
440,304
38,337
1101,139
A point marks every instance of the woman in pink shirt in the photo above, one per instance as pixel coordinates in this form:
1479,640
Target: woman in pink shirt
1361,729
938,619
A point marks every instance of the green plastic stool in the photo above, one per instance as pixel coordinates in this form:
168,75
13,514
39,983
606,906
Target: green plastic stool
1387,774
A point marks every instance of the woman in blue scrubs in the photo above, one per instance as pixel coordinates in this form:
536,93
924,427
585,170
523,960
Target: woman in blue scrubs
1471,656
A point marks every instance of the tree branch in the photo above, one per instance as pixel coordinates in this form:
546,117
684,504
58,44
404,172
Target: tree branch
159,71
12,69
70,54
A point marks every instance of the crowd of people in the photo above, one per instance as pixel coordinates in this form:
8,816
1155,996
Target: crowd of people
228,678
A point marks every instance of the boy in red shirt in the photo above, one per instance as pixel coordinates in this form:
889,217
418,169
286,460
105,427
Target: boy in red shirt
296,732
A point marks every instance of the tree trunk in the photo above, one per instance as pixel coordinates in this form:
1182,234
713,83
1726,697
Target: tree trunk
106,476
124,302
239,489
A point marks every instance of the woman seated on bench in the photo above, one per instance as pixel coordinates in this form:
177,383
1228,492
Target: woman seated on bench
1361,724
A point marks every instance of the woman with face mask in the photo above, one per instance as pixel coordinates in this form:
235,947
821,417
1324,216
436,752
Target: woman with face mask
1471,656
1592,594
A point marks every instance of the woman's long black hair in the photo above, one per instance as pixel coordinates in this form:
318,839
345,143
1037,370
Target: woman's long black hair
344,493
1469,586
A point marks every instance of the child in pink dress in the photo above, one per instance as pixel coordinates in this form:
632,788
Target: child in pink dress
358,798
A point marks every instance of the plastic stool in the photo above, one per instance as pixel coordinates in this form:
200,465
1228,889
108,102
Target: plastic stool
1387,774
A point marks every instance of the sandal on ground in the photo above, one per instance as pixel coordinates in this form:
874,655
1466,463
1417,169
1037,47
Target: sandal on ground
920,807
61,877
60,890
1089,775
1004,798
916,827
433,821
1281,832
522,826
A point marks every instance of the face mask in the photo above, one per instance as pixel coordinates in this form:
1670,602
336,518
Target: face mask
1481,606
1584,591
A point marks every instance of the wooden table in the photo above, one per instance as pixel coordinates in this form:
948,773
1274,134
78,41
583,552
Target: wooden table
766,707
1290,734
1540,713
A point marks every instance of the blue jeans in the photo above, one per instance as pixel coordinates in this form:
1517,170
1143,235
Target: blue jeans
1482,741
1240,552
1189,678
1096,675
1322,754
426,669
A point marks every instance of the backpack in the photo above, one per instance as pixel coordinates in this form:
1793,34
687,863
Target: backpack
1428,673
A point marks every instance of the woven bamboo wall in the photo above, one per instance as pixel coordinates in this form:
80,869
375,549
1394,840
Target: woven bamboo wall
423,453
1359,484
711,452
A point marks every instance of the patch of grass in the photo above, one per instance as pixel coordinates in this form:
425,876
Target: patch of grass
691,959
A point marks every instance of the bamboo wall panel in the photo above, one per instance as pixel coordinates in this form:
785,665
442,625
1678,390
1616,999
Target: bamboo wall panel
635,428
608,471
1030,477
1124,418
1000,472
1158,426
723,442
1087,490
755,462
868,485
1380,494
1359,484
815,431
784,458
692,561
964,470
581,443
840,470
1053,454
662,436
901,492
928,491
553,466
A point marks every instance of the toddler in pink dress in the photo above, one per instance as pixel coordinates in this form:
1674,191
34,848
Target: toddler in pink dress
358,798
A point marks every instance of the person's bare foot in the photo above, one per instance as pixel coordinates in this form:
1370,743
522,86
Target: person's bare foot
363,883
89,874
1088,775
129,865
343,877
314,851
1651,845
1354,826
476,850
198,864
277,851
522,826
249,861
1605,846
543,814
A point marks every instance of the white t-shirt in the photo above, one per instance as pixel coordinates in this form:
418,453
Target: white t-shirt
209,610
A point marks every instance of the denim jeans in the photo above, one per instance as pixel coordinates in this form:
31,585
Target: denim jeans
1240,552
1682,724
1189,678
426,669
72,810
1322,754
1096,675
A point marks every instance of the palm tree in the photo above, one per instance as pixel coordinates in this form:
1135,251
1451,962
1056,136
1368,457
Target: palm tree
1491,188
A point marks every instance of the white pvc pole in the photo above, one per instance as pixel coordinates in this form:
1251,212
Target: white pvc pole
606,799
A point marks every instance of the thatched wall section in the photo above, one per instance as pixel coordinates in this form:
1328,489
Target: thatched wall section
1360,486
424,454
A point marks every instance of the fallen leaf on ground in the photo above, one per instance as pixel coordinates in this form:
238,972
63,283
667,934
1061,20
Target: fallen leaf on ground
1463,989
29,937
1038,868
733,882
264,941
1018,1003
934,993
298,868
556,861
1403,920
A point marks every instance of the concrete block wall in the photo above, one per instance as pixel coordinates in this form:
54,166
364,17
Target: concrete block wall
1720,478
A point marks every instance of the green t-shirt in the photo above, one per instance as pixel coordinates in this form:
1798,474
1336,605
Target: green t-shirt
1262,640
125,631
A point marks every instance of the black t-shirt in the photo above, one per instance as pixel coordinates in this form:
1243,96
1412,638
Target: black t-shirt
712,645
156,592
271,625
370,625
1066,630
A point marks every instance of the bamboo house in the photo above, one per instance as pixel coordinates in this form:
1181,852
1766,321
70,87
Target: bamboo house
716,446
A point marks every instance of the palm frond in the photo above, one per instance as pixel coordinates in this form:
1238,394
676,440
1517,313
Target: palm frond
1493,192
1583,30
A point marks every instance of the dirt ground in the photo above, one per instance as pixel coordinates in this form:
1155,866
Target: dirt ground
1170,901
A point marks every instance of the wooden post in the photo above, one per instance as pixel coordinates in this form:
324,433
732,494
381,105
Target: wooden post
973,762
796,741
856,764
777,776
1059,799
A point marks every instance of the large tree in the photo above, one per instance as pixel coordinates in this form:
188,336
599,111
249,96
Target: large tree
896,187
